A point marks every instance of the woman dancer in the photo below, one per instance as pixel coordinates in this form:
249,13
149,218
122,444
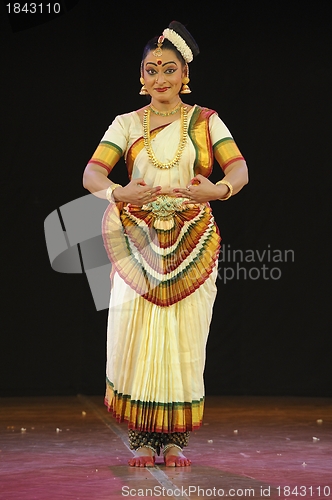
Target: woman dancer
163,243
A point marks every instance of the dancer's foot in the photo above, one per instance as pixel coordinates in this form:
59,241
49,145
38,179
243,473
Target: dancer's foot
144,457
173,457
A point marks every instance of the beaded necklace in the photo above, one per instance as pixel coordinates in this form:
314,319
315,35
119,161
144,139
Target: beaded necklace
165,113
148,145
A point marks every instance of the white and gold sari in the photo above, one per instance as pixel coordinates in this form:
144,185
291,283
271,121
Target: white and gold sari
164,264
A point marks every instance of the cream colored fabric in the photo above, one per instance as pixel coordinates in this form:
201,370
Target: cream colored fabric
127,128
158,353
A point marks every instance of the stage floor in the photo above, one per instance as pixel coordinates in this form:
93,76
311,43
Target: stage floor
248,447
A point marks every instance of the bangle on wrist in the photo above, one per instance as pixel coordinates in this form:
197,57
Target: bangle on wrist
230,187
109,192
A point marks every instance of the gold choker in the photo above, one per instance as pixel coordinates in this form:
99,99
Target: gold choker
165,113
182,143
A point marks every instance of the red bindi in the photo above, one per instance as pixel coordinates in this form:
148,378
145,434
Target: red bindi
159,62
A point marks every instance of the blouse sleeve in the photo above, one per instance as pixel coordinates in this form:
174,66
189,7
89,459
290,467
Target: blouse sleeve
224,148
112,145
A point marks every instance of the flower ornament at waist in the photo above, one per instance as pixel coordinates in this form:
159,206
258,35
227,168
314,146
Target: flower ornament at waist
179,43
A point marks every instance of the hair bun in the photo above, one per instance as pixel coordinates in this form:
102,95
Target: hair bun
187,37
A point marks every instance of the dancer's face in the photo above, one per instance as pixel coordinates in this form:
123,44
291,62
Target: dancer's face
163,76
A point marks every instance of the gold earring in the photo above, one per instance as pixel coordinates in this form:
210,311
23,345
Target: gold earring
185,80
185,89
143,90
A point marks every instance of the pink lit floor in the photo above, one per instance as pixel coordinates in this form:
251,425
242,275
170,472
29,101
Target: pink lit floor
249,447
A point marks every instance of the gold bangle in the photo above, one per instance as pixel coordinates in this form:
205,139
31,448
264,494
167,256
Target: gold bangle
230,187
109,192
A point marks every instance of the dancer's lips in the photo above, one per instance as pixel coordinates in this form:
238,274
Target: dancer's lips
161,89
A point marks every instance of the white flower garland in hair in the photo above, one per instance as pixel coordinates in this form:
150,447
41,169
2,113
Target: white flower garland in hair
179,43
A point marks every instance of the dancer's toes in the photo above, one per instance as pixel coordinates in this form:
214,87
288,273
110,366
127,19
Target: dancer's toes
177,461
184,462
141,462
173,457
144,457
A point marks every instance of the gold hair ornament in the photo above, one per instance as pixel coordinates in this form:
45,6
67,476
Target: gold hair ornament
158,51
230,187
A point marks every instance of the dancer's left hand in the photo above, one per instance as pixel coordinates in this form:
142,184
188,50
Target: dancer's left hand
200,190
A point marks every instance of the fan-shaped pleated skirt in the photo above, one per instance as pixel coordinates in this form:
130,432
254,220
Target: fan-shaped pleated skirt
164,266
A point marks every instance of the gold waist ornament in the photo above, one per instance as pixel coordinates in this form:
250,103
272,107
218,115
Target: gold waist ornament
164,207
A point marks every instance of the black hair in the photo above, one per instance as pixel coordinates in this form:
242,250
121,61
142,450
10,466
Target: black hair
180,30
187,37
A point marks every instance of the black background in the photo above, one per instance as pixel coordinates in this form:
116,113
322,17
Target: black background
266,68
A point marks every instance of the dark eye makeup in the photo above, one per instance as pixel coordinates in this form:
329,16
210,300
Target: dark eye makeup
168,71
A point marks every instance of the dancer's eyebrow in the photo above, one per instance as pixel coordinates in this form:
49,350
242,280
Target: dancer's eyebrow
164,64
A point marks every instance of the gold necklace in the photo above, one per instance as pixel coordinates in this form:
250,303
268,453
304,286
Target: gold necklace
147,139
165,113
